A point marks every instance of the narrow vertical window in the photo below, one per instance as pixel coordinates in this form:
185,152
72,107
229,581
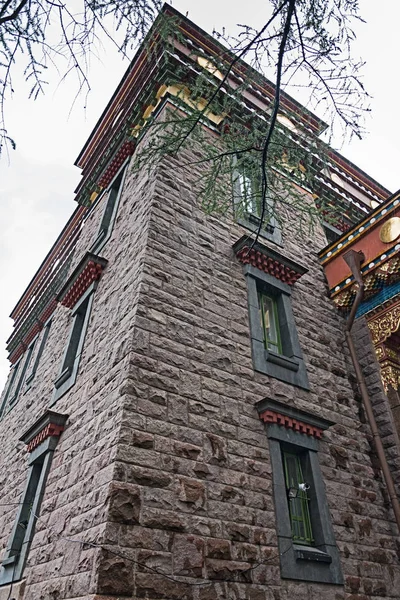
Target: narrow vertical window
73,351
9,391
14,396
247,196
299,509
36,356
250,194
307,546
41,440
27,514
110,212
77,294
269,320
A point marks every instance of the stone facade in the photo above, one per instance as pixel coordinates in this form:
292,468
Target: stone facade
161,484
164,460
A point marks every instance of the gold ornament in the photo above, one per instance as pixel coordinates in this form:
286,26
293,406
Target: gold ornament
390,375
390,230
384,325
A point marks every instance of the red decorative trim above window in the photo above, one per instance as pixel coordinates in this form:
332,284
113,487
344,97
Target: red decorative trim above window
125,150
48,311
50,424
273,412
89,270
49,431
263,258
268,416
22,346
18,352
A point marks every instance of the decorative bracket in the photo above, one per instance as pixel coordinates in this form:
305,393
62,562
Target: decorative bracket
50,424
273,412
267,260
88,270
385,323
382,327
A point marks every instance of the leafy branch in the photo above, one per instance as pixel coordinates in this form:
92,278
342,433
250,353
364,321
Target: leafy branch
304,43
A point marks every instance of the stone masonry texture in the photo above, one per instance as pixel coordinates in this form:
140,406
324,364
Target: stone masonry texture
164,463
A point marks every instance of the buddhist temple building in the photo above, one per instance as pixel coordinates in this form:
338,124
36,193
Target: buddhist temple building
190,413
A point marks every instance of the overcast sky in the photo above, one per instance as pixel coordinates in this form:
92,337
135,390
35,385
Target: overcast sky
37,185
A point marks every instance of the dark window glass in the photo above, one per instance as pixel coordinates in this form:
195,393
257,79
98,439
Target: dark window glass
298,499
36,355
11,386
14,396
74,347
269,320
109,213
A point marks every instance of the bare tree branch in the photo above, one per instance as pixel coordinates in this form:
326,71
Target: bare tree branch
14,14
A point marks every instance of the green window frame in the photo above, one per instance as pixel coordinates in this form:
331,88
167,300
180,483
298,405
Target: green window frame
249,190
247,199
113,192
268,310
299,508
39,463
36,356
9,390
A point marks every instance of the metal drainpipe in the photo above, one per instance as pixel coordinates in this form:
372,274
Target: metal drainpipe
354,260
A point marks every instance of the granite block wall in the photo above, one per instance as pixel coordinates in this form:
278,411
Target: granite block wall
164,466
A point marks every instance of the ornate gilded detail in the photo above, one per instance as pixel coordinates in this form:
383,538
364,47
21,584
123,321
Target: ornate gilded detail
377,275
390,230
383,325
390,374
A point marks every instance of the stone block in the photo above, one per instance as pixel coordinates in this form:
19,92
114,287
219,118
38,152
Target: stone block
149,585
124,503
162,519
149,561
188,555
147,477
228,570
192,491
142,439
237,532
187,450
115,574
219,548
215,449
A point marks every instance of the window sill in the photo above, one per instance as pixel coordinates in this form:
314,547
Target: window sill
12,400
311,554
9,561
281,360
65,375
280,367
268,231
254,219
29,379
64,383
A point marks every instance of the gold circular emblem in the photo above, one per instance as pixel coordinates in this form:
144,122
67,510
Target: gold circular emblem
390,230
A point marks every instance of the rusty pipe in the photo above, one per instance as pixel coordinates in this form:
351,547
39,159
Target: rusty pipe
354,260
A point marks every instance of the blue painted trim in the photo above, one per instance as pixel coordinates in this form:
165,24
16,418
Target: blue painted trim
384,295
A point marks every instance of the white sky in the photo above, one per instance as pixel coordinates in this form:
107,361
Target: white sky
36,187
